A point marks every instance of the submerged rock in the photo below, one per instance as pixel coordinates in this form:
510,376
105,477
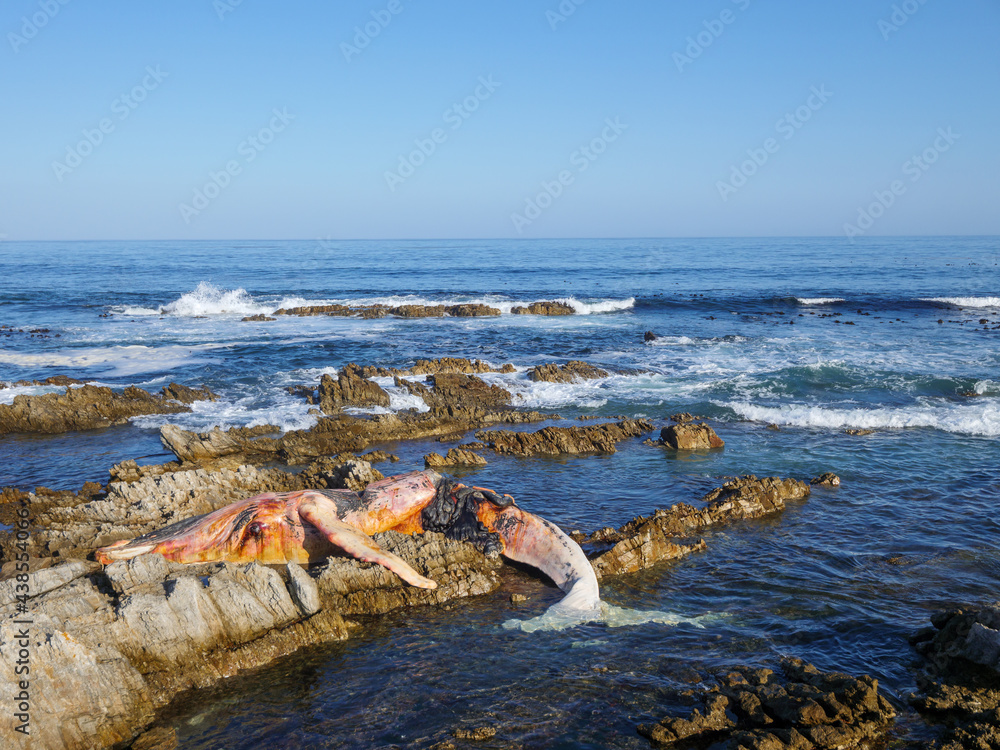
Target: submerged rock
690,437
567,373
757,710
90,406
553,441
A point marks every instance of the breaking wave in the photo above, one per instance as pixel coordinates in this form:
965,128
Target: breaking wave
966,419
208,300
965,301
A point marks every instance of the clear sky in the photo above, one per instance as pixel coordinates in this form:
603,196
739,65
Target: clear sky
498,118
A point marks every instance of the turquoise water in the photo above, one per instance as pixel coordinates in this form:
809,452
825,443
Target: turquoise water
839,579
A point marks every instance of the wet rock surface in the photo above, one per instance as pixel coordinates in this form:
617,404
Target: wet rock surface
568,373
959,676
802,709
544,308
827,479
553,441
457,390
645,541
688,436
350,388
91,406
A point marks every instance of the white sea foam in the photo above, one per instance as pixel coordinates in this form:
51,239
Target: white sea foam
614,617
976,418
282,410
120,361
819,300
965,301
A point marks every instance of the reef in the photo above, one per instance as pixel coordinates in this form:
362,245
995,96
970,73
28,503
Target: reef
91,406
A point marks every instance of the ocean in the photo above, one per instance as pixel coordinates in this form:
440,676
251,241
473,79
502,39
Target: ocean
815,336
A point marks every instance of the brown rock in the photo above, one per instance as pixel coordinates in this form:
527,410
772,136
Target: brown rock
471,311
316,310
259,318
683,418
544,308
567,373
455,457
551,441
186,395
475,734
859,433
690,437
829,479
84,408
418,311
645,541
349,389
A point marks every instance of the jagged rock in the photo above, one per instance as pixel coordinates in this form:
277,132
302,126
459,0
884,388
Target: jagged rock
649,336
859,433
435,366
550,441
959,678
828,479
418,311
455,457
457,390
683,417
84,408
195,447
316,310
352,474
476,734
690,437
259,318
349,389
544,308
472,311
187,395
567,373
645,541
60,380
753,709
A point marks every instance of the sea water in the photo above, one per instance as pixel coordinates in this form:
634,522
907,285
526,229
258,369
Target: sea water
813,336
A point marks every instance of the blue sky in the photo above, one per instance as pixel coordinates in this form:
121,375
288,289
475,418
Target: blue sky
696,94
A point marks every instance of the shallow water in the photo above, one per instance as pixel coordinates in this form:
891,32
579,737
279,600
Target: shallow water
839,579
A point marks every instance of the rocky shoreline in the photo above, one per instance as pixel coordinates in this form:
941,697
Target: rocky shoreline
112,646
